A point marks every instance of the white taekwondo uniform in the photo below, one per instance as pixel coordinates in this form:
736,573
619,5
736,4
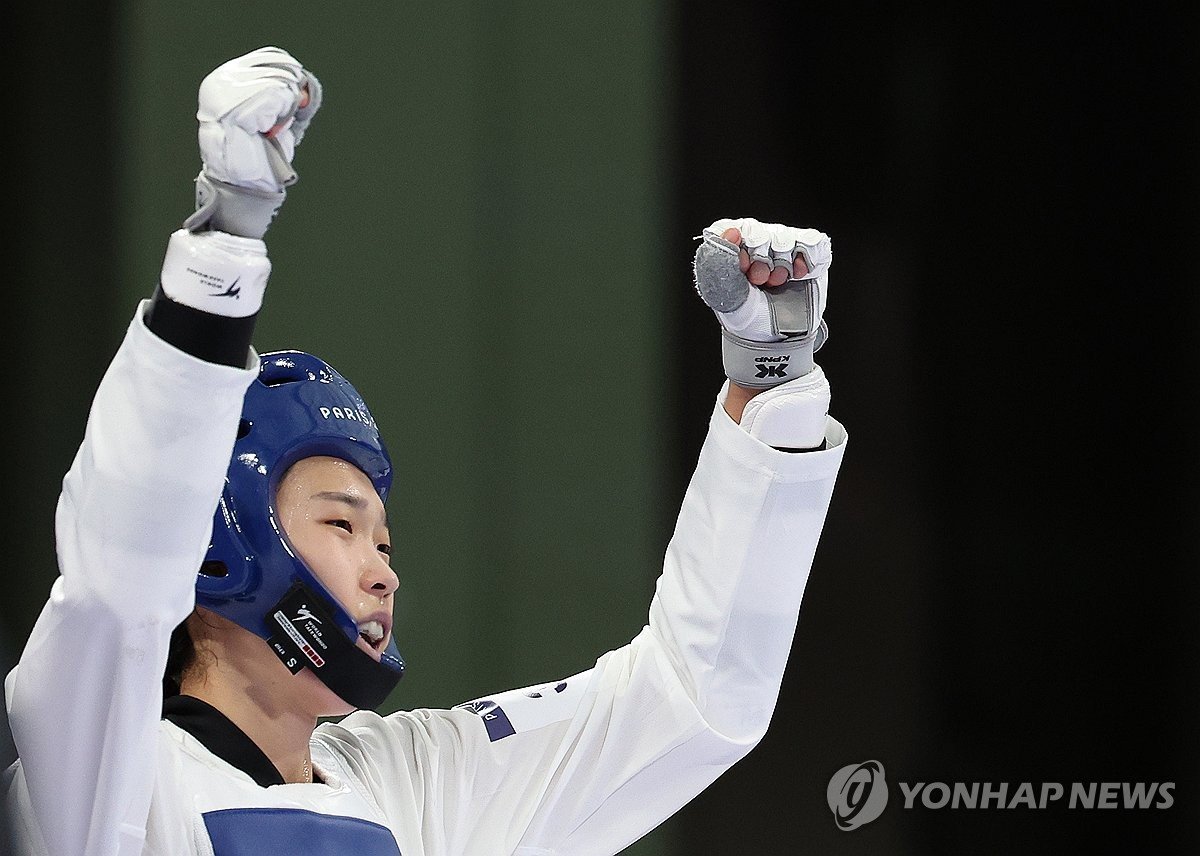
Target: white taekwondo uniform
585,765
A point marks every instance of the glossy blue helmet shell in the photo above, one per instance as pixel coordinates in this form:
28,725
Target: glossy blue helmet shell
298,407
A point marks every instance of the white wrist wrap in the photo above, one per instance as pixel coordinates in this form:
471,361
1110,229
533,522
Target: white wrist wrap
791,415
216,273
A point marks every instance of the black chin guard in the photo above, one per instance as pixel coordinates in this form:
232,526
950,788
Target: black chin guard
307,634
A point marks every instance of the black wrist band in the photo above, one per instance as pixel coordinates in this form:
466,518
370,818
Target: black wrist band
212,338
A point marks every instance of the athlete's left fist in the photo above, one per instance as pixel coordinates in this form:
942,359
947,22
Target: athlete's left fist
767,285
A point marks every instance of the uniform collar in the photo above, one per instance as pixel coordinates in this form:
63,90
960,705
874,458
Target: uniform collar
221,737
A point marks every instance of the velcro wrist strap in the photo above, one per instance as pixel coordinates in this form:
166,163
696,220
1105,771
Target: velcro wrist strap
761,365
242,211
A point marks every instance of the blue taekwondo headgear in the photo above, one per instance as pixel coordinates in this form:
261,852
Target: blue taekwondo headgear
298,407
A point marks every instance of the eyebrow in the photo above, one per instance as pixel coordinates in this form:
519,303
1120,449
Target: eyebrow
353,500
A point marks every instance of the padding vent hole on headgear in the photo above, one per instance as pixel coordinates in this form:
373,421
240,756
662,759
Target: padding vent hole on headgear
281,370
244,427
214,569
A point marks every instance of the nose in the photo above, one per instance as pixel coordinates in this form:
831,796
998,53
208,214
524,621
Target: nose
378,578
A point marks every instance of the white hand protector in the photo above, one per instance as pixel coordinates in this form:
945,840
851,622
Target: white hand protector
253,113
215,272
770,334
792,415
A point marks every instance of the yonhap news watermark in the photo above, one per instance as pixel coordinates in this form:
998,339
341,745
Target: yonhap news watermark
858,793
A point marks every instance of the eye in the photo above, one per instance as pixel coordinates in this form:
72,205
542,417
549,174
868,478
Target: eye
342,524
386,549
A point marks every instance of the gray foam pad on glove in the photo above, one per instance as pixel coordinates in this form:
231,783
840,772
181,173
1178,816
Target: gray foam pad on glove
719,280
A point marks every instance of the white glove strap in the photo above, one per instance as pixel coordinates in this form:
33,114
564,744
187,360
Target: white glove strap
791,415
216,273
241,211
762,365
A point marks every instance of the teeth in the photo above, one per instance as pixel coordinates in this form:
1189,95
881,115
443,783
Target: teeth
372,631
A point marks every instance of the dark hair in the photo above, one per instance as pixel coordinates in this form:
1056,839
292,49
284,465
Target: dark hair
181,656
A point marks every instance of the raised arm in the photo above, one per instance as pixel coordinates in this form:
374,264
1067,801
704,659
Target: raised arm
135,514
588,764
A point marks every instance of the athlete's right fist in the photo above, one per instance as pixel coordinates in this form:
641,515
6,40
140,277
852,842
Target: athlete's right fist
253,112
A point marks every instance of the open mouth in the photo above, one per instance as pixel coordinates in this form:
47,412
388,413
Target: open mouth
373,633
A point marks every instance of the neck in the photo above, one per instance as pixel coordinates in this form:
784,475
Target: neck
265,713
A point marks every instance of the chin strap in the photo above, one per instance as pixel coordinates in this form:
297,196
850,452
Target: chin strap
307,634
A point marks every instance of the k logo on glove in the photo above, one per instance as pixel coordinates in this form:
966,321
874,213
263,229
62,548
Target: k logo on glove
770,333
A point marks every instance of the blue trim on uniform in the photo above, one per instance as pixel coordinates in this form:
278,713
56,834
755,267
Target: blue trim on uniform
495,720
290,831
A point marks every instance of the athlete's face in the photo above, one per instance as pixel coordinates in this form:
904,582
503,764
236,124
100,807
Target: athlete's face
337,524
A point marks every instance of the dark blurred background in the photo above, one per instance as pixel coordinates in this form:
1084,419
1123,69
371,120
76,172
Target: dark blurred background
492,238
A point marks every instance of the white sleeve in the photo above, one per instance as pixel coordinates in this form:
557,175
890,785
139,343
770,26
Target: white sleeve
590,764
133,524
